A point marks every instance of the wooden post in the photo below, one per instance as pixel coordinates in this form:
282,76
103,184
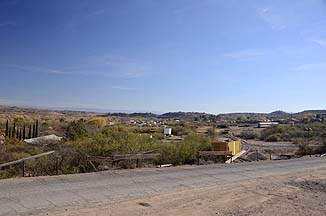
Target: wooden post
22,168
270,154
57,164
197,158
7,129
256,155
141,163
92,165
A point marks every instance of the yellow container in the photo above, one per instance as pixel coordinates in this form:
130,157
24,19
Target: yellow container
232,146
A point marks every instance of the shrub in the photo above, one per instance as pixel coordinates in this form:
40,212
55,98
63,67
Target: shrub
248,135
71,155
98,122
189,147
76,130
272,138
321,149
304,149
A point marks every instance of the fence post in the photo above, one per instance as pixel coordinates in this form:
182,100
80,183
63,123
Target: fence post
22,168
197,158
57,164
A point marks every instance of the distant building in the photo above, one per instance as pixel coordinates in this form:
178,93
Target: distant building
167,131
266,124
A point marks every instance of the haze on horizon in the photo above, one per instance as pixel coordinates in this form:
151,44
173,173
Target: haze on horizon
215,56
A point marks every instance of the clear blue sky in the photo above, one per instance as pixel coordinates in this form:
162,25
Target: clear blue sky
149,55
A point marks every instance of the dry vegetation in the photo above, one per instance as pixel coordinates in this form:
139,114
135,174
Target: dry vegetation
92,135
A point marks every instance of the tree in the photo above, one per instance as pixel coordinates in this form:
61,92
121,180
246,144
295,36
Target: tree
9,133
33,133
14,130
36,128
24,133
20,134
30,132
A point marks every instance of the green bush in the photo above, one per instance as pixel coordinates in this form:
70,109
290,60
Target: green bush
120,140
184,152
114,140
296,133
273,138
76,130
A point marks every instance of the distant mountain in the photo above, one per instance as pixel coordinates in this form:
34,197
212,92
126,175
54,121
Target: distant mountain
279,112
142,115
273,115
172,115
311,112
182,115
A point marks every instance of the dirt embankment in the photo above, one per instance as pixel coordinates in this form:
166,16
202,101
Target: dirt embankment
299,194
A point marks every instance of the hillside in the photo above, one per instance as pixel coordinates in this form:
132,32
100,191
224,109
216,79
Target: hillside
168,115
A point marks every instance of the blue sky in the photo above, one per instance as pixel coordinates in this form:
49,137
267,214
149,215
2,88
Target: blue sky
214,56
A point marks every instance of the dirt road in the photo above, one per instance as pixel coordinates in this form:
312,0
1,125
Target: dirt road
293,187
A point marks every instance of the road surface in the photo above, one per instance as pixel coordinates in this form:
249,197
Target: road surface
29,196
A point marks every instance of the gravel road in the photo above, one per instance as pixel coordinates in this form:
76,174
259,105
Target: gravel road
48,195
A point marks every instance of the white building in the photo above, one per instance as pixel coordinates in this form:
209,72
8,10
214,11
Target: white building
167,131
266,124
